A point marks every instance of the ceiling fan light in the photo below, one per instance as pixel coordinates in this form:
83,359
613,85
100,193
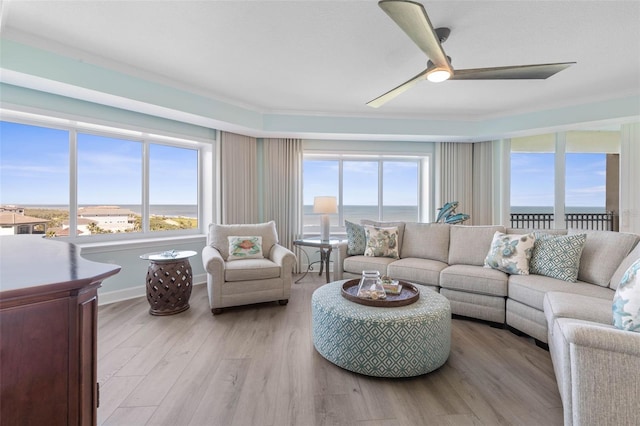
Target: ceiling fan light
438,75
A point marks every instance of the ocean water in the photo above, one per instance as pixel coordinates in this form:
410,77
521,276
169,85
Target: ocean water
549,209
355,213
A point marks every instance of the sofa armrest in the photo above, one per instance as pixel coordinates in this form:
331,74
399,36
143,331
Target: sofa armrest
283,257
286,259
605,363
340,254
212,260
214,266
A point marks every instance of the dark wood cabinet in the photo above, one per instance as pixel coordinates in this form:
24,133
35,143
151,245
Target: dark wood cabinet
48,332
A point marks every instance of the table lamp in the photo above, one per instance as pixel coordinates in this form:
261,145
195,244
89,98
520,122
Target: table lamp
325,205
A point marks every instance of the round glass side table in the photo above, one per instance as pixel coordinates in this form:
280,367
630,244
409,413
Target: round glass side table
169,281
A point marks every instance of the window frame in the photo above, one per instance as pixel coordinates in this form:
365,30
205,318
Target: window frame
146,138
560,144
423,181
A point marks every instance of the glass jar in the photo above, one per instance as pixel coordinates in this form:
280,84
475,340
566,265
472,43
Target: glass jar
370,286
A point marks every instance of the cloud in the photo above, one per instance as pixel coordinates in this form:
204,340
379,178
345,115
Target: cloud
31,169
600,189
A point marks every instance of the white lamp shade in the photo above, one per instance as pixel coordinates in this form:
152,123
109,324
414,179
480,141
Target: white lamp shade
325,204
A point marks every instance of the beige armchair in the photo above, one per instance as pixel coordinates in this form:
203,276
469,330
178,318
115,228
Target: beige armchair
234,282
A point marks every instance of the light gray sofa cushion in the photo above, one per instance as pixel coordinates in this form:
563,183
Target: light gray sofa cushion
474,279
357,264
577,306
426,241
251,269
602,253
624,265
414,270
469,245
218,236
530,289
473,305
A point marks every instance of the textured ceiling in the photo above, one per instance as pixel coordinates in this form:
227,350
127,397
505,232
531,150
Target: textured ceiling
331,57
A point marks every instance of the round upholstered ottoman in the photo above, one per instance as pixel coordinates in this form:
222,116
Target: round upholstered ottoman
404,341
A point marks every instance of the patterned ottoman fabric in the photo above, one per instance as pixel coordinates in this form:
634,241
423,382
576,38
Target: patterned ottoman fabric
384,342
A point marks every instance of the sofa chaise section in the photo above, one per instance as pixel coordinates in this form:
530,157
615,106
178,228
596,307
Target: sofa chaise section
600,261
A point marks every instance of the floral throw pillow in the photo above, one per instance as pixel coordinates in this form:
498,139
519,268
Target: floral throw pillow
245,248
626,302
356,238
382,242
557,256
510,253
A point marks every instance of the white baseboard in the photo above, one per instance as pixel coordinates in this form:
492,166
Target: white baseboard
107,297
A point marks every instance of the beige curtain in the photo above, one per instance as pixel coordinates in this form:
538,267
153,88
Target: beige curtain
454,176
282,182
482,210
238,178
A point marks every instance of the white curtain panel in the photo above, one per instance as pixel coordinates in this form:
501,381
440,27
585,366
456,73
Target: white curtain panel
282,178
454,176
238,179
629,178
482,211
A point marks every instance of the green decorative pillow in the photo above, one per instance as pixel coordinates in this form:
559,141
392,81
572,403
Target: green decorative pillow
557,256
382,242
510,253
356,238
626,302
245,248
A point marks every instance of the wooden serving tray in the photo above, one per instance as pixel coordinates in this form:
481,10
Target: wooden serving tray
407,296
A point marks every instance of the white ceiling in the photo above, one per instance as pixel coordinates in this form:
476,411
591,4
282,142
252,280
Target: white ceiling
331,57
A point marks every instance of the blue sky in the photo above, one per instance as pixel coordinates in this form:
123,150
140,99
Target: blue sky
532,179
360,182
34,165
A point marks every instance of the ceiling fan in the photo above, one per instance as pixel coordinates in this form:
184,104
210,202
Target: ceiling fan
412,18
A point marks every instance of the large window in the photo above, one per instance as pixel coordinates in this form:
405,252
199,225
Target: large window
532,182
380,188
173,189
585,182
34,177
560,180
96,180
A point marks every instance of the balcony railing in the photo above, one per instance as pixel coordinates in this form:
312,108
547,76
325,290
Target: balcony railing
595,221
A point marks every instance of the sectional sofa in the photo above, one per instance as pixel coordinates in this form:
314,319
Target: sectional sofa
597,366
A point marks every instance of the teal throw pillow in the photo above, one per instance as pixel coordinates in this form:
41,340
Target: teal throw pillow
626,302
356,238
557,256
510,253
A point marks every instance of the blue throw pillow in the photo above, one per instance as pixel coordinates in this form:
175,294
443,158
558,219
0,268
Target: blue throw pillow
626,302
356,238
557,256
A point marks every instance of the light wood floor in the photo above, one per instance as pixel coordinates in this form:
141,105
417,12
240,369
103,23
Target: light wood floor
256,365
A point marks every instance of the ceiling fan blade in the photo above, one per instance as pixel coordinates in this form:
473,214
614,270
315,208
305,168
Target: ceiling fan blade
414,21
518,72
381,100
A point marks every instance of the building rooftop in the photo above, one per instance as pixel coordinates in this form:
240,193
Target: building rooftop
9,218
